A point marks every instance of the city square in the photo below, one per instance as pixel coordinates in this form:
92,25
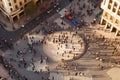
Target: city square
65,40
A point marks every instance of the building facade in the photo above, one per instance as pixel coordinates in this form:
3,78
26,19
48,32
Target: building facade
14,9
111,15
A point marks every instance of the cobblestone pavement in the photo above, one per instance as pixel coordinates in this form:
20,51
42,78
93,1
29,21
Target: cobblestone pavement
65,45
3,73
101,53
23,20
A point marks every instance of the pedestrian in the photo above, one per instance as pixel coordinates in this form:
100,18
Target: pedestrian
19,65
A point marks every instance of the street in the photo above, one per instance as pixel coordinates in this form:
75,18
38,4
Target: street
13,36
52,47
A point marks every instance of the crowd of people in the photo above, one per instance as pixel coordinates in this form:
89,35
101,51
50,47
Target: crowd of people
105,47
1,78
83,10
66,45
62,41
12,71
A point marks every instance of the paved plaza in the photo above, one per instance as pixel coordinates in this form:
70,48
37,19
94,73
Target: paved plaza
4,74
55,51
65,76
64,45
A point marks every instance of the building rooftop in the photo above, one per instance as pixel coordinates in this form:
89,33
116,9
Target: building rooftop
118,0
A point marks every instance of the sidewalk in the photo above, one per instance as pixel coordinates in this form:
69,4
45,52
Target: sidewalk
4,73
99,29
6,24
18,24
69,47
59,21
86,65
64,76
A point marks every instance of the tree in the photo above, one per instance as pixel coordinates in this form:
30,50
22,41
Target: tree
30,8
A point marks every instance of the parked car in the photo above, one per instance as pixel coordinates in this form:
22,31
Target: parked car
74,21
68,16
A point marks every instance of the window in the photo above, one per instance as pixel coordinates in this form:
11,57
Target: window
21,8
16,6
20,3
118,11
11,9
14,1
115,4
110,4
114,7
110,1
111,18
9,4
117,21
104,13
25,0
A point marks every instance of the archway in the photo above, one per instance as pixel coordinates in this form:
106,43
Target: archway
21,14
15,18
118,33
108,26
103,22
114,29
